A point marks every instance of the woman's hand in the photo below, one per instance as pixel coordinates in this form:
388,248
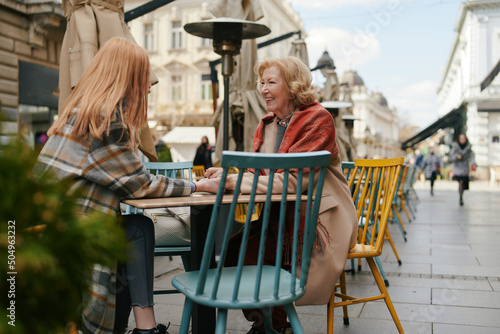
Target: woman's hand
212,184
459,157
208,185
213,172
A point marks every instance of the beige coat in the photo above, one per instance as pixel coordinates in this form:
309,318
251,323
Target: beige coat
337,214
91,23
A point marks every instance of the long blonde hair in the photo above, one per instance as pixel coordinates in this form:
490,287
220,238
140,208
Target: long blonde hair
297,77
117,78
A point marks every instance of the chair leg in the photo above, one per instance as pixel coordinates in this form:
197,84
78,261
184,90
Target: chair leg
329,314
186,261
186,316
268,320
343,290
415,195
381,269
389,238
398,220
383,291
220,326
294,319
402,202
353,270
408,204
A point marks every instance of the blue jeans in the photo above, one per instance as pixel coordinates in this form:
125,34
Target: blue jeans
134,281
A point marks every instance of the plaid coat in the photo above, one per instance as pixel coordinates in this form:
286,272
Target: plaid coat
106,171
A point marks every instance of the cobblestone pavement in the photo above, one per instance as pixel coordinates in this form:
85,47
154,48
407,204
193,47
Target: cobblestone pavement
449,280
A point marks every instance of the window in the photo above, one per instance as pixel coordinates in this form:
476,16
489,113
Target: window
206,42
176,93
206,87
176,35
149,37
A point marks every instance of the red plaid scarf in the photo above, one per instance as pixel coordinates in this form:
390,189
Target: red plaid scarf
311,129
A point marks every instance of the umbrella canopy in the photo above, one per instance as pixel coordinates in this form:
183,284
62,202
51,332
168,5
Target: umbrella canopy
246,105
90,25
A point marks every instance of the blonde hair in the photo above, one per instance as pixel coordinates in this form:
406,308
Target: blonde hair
297,77
117,78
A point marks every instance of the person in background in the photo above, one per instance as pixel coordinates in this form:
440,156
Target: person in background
419,159
93,143
431,165
203,154
462,157
296,122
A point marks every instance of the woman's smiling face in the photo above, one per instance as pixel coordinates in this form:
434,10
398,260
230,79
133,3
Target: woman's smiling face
275,91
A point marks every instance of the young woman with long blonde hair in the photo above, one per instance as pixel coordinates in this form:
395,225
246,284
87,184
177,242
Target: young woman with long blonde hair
93,143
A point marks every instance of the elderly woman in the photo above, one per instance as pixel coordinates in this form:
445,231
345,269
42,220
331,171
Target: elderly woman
297,123
461,156
92,143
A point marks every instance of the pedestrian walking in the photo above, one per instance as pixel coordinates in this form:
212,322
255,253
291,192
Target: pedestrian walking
431,165
462,157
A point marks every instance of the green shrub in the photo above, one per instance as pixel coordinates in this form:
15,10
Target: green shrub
51,267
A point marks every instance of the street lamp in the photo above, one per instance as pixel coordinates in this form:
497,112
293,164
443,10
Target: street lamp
227,34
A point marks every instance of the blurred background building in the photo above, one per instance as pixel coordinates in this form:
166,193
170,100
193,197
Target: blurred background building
469,93
31,34
470,82
377,128
184,95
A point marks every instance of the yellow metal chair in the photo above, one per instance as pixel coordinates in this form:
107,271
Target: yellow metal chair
240,215
373,190
199,171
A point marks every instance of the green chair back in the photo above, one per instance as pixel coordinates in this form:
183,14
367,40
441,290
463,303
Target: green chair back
261,285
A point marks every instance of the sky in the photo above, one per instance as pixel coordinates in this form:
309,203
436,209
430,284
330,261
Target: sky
398,47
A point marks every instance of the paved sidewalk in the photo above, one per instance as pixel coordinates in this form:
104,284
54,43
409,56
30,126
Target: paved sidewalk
449,280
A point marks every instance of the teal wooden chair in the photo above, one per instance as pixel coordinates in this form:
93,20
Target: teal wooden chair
173,170
258,286
416,172
406,191
347,169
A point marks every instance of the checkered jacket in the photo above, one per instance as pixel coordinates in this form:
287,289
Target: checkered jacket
105,171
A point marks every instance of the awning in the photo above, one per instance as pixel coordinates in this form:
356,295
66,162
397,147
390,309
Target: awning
455,119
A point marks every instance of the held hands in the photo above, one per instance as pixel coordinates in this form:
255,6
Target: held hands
208,185
215,173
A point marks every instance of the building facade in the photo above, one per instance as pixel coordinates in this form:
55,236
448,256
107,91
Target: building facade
31,34
376,129
474,54
184,94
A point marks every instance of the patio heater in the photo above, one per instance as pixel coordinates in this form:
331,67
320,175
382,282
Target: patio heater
334,106
227,34
349,121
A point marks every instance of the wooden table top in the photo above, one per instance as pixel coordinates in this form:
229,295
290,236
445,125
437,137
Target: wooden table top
200,198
